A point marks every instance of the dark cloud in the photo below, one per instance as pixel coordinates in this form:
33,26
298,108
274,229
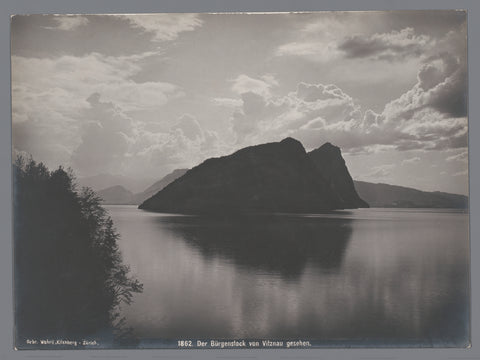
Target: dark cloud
393,46
442,86
429,76
451,97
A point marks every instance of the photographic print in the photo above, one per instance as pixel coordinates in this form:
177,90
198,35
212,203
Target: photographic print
240,180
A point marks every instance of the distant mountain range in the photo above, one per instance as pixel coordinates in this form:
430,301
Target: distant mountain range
117,194
273,177
384,195
102,181
159,185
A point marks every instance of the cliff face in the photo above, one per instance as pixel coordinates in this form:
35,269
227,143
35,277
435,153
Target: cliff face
273,177
331,165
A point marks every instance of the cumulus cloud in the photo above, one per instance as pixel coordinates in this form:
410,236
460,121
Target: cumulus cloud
245,84
254,107
86,112
104,138
393,46
164,27
316,92
52,101
189,127
311,107
441,86
185,144
246,119
433,112
429,116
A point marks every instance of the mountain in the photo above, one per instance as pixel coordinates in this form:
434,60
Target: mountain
116,195
103,181
273,177
159,185
384,195
328,159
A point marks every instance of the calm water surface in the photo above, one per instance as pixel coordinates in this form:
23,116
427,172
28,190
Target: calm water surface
366,277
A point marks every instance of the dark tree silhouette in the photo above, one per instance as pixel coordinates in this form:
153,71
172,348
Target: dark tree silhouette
69,276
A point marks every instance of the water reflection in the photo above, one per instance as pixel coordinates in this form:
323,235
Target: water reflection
364,278
280,245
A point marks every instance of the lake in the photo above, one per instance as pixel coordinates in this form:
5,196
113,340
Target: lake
366,277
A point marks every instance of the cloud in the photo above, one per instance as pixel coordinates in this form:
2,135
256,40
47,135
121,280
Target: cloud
68,80
245,119
322,51
56,99
311,107
461,173
189,127
432,114
34,138
68,22
315,92
380,172
393,46
185,144
463,157
88,113
164,27
115,143
104,140
60,85
441,86
227,102
245,84
413,160
421,118
316,39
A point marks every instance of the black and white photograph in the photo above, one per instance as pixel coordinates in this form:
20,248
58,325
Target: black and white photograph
240,180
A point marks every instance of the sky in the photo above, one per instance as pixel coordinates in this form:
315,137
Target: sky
141,95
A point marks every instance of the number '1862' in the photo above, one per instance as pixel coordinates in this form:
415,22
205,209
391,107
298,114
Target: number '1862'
184,343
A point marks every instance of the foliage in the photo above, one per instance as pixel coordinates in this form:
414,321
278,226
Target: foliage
69,275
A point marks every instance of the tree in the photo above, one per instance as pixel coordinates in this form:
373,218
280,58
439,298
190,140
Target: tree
69,277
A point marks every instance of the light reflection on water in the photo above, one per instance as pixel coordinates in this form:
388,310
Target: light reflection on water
381,276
